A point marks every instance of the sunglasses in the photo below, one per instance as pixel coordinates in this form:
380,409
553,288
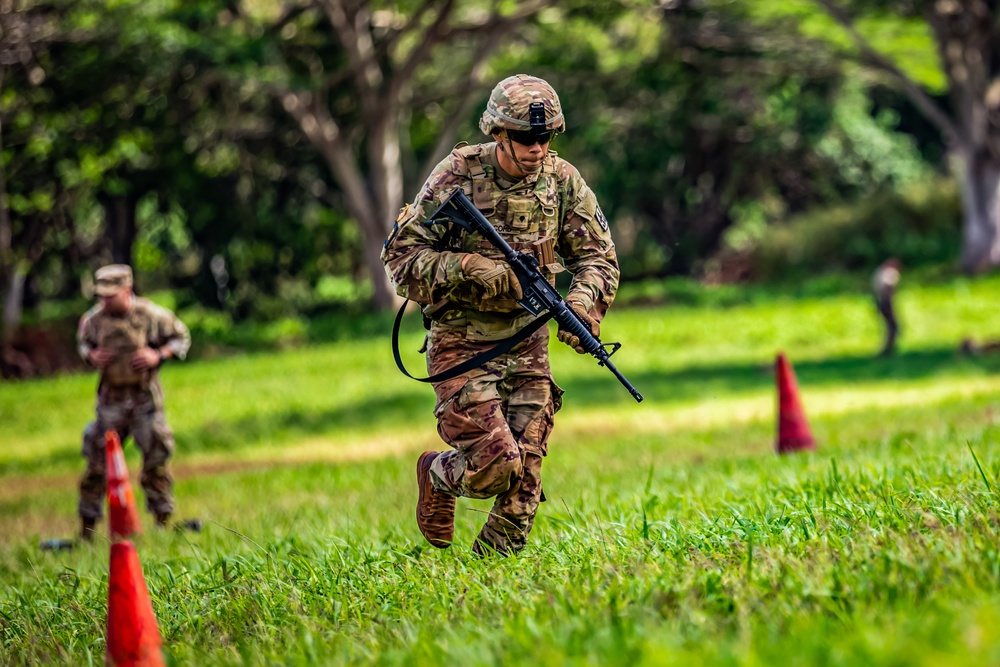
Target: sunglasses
529,138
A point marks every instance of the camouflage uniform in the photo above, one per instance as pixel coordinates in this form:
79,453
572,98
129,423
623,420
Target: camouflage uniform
130,401
498,417
884,283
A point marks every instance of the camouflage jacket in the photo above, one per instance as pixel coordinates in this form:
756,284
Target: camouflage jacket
144,325
551,214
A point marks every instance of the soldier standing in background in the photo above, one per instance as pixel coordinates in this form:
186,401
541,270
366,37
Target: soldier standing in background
127,338
498,417
884,283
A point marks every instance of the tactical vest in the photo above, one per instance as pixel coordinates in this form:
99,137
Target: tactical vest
123,336
527,215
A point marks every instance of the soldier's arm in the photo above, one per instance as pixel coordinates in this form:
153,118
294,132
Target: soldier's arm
417,268
171,337
86,339
586,247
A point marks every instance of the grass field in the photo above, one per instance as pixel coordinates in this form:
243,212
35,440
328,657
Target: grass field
672,534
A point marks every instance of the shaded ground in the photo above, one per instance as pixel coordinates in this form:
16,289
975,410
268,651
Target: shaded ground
39,351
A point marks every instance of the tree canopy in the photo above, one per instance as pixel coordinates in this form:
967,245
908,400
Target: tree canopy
252,155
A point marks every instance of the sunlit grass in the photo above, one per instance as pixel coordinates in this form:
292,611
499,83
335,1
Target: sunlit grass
672,534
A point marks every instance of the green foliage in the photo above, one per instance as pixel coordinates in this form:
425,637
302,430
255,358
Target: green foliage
918,225
713,121
898,29
701,126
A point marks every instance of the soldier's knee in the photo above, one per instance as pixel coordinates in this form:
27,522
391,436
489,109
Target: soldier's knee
509,465
499,473
156,456
157,444
91,441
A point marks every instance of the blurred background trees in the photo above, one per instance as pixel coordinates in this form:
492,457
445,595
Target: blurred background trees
248,156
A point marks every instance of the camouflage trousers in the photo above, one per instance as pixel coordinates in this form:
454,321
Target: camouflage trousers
139,413
498,419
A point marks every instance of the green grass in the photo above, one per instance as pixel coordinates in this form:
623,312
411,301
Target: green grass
672,535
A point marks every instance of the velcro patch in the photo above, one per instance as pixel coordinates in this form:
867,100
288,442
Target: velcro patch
601,220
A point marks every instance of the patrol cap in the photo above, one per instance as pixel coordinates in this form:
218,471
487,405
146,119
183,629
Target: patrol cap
112,279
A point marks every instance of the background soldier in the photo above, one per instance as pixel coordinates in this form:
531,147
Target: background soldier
884,283
498,417
127,338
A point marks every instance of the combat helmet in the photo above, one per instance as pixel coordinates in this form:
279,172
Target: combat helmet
512,101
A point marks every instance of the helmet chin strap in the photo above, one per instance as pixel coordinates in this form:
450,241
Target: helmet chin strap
509,151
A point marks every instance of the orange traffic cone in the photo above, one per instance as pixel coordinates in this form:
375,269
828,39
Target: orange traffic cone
133,638
793,429
123,518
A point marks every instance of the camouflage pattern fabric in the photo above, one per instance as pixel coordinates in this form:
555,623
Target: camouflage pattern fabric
129,401
146,324
498,417
548,213
139,412
510,100
513,514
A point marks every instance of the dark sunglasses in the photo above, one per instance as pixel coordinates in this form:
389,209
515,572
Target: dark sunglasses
529,138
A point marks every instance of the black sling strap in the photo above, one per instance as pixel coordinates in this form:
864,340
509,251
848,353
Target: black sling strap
502,347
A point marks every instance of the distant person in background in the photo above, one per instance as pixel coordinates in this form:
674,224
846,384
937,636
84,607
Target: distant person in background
884,283
972,348
128,338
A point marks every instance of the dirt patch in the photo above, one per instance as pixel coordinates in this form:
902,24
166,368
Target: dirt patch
312,451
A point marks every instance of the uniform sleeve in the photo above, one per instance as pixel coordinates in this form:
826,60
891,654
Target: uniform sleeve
416,268
586,247
86,338
170,332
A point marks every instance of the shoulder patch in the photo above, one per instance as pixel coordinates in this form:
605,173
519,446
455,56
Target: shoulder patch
601,220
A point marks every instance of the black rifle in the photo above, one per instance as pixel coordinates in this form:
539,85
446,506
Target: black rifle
539,296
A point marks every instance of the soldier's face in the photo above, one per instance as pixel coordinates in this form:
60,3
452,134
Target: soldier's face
118,304
529,158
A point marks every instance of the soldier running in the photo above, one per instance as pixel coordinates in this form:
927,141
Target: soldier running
498,417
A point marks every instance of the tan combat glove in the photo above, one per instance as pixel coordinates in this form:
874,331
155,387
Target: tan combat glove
574,341
496,278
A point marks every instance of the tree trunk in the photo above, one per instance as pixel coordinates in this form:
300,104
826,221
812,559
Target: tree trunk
13,299
119,226
11,275
981,212
386,178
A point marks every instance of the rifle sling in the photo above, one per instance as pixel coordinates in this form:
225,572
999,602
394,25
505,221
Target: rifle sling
502,347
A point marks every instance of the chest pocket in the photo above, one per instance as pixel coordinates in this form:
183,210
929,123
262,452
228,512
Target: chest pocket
521,215
123,337
548,214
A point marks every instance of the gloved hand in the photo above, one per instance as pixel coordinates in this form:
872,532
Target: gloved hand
496,278
594,325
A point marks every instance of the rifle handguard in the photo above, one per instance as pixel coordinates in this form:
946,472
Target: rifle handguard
538,295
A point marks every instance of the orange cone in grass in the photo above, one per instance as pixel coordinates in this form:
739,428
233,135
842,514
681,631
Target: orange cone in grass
123,518
793,429
133,637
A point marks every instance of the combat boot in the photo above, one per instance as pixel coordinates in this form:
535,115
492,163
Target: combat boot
435,509
162,519
483,549
87,529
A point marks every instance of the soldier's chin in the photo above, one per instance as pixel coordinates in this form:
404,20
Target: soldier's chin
531,168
